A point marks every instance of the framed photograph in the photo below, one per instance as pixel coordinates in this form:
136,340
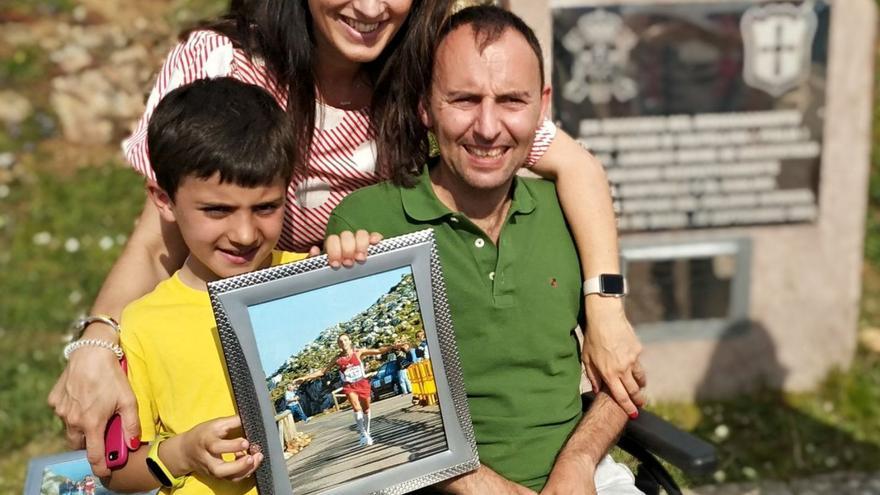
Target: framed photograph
302,341
64,474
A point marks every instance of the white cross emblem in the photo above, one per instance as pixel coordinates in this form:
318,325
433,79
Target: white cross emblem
778,42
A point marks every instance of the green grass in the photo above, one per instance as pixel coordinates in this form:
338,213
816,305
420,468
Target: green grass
23,65
778,436
45,285
185,13
35,8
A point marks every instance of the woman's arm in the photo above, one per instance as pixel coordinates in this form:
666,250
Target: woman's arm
611,347
92,387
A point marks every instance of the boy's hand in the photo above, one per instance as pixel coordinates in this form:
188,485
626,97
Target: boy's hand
204,445
348,247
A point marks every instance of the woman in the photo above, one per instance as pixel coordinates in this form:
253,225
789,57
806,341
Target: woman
355,384
351,74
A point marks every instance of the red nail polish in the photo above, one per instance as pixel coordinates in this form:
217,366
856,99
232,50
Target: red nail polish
134,442
634,415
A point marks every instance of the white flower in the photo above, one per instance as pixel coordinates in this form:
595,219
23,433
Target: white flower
4,191
71,245
749,472
75,297
120,239
719,476
7,160
105,243
722,432
42,238
80,13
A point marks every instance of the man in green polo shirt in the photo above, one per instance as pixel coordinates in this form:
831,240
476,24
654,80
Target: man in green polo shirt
510,265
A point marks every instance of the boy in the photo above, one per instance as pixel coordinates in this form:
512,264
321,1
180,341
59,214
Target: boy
222,152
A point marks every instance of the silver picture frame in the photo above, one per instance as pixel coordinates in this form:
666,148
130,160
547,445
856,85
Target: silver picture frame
308,288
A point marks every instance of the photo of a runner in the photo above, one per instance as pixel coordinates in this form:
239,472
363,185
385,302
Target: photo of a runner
338,372
355,384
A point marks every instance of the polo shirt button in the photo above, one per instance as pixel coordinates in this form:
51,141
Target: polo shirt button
479,243
491,275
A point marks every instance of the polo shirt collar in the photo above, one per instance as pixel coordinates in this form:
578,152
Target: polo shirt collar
421,203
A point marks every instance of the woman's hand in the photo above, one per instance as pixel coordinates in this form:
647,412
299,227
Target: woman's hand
611,353
90,390
349,247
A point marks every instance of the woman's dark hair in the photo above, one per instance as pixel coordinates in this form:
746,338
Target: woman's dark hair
280,33
223,126
401,138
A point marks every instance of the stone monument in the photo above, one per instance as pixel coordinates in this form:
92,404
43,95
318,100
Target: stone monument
736,136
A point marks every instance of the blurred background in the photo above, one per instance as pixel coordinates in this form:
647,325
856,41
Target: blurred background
73,78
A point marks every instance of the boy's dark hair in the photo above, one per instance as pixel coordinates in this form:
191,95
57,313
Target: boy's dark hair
220,126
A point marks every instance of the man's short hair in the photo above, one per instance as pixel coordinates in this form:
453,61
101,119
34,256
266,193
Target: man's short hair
220,126
488,24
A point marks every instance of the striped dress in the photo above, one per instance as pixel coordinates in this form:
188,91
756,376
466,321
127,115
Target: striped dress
343,152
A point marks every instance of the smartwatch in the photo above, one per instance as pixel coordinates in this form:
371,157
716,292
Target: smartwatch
158,469
606,285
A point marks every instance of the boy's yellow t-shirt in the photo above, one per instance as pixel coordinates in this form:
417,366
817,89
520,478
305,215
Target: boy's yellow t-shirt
176,367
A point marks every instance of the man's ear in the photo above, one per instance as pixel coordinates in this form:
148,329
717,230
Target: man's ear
162,200
546,98
425,114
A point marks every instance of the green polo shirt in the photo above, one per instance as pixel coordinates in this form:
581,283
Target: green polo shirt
513,307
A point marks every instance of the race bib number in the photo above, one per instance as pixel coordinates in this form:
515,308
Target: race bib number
353,373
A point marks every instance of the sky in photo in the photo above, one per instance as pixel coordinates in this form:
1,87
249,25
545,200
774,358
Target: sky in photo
283,327
74,470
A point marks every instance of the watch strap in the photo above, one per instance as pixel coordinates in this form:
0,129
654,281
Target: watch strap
594,285
158,468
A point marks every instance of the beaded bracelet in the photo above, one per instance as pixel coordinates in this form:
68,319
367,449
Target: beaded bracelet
110,346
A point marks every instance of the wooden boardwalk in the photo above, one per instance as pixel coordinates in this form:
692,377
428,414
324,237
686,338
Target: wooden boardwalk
401,432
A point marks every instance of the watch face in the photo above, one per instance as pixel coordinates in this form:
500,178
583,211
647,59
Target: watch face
612,284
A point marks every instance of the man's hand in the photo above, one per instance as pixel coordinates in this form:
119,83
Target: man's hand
202,448
90,390
481,481
611,353
349,247
571,475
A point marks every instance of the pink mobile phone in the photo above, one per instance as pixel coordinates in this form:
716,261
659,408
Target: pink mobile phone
115,450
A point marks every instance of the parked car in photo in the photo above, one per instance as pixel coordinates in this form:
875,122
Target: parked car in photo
384,382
